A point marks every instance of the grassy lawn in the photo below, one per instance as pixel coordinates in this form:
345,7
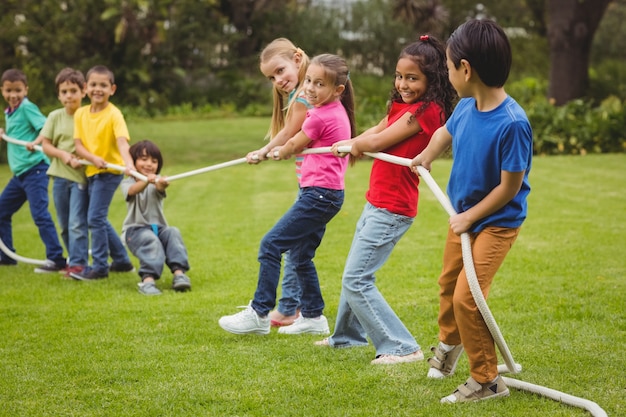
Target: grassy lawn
101,349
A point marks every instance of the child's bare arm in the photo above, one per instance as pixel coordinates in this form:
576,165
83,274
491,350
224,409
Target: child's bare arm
54,152
510,184
293,146
439,142
122,145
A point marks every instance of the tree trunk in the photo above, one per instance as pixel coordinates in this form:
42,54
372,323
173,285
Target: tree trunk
571,27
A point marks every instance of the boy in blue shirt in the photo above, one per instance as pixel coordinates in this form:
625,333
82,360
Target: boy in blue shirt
491,141
29,183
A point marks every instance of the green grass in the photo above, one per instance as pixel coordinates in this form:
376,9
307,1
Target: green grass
101,349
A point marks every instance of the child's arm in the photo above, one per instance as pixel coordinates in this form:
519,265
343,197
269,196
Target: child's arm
139,185
349,142
439,142
122,145
382,136
85,154
293,124
510,184
293,146
54,152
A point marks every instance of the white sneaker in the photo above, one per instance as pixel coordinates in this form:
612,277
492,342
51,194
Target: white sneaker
317,325
245,322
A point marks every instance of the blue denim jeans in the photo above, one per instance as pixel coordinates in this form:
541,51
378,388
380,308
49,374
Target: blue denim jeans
104,238
362,309
71,200
154,250
300,232
290,287
31,186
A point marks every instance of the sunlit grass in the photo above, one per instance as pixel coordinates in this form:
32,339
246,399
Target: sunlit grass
101,349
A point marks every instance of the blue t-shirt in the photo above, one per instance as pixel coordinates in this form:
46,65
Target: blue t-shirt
483,145
24,123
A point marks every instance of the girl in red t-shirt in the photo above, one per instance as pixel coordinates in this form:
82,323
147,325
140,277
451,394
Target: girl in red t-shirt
421,101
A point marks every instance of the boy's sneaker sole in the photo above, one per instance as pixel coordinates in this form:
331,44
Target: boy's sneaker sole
475,391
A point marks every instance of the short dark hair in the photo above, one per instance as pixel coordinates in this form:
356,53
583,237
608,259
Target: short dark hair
101,69
12,75
147,147
485,46
70,75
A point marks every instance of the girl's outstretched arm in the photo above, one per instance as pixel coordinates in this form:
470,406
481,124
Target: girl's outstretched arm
293,146
381,136
293,124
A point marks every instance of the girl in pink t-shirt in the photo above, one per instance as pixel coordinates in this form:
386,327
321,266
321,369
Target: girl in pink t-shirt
328,88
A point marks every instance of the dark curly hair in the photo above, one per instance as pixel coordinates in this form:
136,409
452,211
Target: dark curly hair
429,54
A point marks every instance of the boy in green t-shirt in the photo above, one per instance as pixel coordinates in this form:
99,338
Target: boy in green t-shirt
29,183
69,187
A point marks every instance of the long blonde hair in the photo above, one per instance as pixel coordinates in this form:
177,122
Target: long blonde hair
285,48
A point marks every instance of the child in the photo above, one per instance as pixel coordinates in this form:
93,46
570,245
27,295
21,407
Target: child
69,187
101,137
29,183
491,142
328,88
145,229
285,66
421,101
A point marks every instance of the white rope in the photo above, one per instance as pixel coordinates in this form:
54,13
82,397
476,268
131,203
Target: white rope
19,258
119,168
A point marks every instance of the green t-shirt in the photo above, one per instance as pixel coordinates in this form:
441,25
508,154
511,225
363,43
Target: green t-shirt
24,123
59,128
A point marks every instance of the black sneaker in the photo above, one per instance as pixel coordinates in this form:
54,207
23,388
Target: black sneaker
88,274
118,267
48,267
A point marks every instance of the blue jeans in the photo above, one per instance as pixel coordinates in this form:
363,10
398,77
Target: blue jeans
363,310
154,250
71,200
104,238
291,291
31,186
300,232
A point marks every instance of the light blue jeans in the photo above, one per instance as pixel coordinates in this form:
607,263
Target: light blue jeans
363,310
104,238
71,200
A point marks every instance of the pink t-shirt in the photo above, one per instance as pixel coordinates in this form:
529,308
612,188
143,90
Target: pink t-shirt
325,125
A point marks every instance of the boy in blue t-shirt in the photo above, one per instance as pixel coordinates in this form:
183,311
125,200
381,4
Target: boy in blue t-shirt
491,142
29,183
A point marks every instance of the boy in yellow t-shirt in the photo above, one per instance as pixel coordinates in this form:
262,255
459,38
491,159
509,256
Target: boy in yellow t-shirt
101,137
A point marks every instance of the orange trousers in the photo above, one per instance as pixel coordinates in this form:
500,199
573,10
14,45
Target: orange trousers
460,321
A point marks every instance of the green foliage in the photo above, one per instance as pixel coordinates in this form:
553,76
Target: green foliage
578,127
101,349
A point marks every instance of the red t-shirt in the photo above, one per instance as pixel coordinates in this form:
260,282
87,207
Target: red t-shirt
392,186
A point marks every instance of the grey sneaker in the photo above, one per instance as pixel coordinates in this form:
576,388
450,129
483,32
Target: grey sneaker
149,288
317,325
181,283
246,322
475,391
48,267
444,362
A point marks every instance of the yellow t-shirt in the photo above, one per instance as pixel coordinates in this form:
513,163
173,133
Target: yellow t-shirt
99,132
